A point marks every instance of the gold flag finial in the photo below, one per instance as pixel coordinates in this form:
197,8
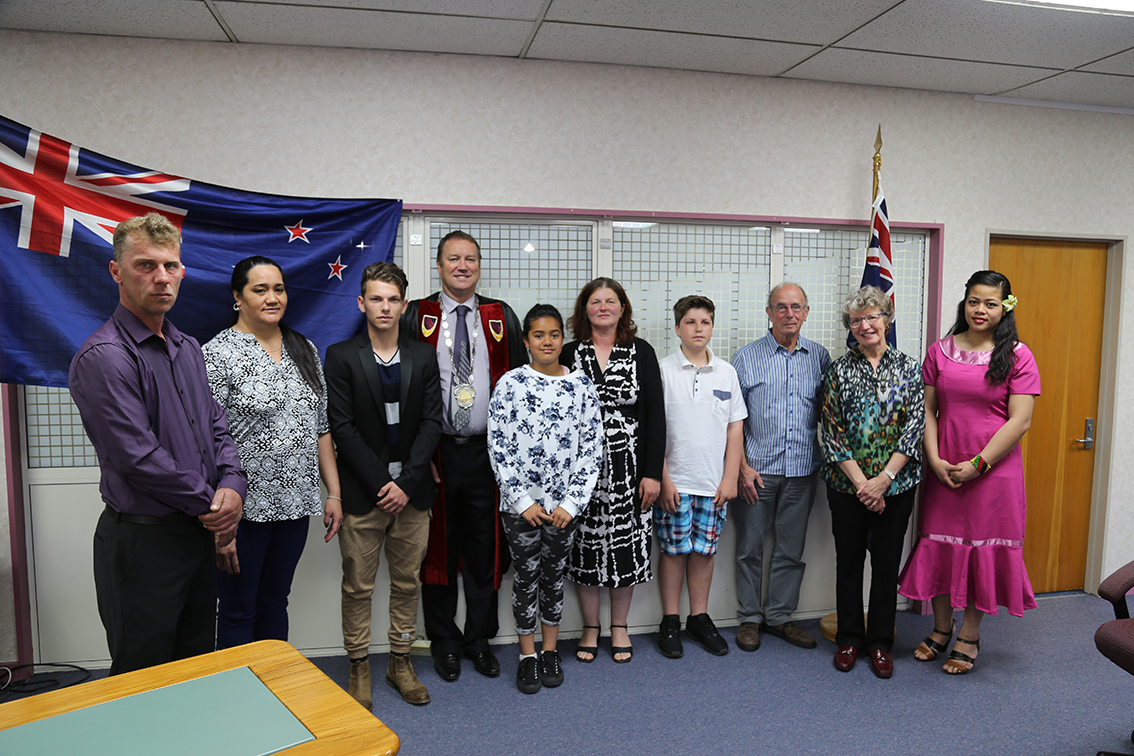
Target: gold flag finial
877,163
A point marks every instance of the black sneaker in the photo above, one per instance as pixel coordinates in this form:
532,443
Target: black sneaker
700,628
550,669
669,637
527,676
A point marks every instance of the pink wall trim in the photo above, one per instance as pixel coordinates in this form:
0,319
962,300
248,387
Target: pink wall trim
16,526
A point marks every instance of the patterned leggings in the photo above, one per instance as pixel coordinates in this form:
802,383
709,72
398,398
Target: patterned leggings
538,554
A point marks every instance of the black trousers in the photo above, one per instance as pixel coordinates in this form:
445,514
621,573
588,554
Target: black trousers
470,533
157,590
856,529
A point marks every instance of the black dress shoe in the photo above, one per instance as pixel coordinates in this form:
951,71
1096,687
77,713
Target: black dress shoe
485,663
448,667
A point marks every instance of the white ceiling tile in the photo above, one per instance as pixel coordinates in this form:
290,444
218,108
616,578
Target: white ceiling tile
912,72
995,33
381,30
954,46
162,19
633,47
526,10
1123,63
1085,88
808,21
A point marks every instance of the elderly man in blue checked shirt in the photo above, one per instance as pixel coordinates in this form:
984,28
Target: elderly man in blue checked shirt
781,377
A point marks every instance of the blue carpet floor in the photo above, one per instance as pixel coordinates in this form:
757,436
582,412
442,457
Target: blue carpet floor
1040,687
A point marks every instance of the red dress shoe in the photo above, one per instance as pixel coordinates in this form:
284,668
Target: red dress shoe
845,658
880,661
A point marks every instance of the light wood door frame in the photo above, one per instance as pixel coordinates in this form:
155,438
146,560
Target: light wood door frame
1105,432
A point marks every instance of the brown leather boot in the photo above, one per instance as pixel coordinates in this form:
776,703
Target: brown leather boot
359,685
399,674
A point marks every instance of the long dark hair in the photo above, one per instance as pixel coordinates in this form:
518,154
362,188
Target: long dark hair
581,324
305,357
1004,338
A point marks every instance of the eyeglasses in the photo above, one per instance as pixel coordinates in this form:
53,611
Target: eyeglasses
865,320
781,308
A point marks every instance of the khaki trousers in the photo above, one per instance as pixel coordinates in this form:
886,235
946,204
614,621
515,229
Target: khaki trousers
360,542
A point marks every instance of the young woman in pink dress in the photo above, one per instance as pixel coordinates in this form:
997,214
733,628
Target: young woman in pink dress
980,388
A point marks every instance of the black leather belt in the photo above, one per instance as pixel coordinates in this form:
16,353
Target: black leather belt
481,438
174,518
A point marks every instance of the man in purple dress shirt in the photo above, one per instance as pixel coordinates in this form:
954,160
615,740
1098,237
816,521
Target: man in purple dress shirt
171,476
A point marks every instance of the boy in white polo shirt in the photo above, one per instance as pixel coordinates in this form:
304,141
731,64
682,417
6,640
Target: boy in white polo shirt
705,414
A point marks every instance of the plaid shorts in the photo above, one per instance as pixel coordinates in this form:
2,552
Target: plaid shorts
694,528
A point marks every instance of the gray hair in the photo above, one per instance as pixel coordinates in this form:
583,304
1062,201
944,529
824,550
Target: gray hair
777,287
866,298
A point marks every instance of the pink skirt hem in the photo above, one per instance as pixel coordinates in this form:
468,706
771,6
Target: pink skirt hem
990,576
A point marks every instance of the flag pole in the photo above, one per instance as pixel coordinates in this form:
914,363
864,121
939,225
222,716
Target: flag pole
877,163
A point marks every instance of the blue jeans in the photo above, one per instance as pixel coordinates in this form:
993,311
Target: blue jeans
253,604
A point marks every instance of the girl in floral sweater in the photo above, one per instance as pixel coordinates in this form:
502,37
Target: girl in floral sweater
545,445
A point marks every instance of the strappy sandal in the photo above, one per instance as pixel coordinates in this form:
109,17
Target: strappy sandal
592,650
959,663
615,650
929,648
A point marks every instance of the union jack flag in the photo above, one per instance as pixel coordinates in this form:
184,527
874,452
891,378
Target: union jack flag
59,204
879,268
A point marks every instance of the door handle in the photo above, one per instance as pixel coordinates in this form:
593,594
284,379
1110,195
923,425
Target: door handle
1089,441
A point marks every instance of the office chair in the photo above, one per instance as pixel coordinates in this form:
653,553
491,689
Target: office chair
1115,639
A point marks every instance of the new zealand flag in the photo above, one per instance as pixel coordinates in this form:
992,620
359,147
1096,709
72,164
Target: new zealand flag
59,204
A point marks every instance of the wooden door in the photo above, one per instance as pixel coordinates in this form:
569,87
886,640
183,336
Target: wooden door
1061,287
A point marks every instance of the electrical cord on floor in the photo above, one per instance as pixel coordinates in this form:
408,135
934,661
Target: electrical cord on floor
34,684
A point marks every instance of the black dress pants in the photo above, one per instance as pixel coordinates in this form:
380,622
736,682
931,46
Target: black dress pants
856,529
471,535
156,586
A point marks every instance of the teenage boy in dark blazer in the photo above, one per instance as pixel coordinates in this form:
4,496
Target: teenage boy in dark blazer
384,408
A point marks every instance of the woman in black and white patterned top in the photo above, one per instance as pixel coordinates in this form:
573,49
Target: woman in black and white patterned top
612,545
268,379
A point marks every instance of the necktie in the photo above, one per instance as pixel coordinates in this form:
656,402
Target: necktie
463,368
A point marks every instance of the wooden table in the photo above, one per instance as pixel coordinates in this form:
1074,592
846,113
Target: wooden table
339,724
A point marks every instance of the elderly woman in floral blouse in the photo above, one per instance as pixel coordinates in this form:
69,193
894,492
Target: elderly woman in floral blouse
872,423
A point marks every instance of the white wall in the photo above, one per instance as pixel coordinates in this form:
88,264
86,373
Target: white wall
455,130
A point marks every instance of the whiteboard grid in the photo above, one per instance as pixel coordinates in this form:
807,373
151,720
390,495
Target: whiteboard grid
660,264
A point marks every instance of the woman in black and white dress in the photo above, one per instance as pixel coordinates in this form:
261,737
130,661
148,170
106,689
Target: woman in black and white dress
268,379
612,543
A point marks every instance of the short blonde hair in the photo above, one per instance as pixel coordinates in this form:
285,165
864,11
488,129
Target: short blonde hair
864,299
155,227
